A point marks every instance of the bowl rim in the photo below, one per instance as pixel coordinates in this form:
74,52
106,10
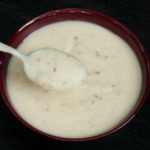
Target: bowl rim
107,18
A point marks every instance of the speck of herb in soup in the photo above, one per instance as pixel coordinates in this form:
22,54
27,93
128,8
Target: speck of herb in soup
47,109
97,72
75,37
68,55
65,82
106,57
92,125
97,53
97,96
38,59
45,91
92,101
54,70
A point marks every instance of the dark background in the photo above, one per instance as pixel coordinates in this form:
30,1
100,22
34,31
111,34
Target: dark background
135,14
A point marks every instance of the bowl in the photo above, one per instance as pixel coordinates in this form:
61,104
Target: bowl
83,15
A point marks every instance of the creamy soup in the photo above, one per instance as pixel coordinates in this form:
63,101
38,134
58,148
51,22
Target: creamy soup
100,103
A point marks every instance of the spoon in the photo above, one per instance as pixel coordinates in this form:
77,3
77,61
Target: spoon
50,68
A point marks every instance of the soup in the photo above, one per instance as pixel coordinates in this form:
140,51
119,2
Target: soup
100,103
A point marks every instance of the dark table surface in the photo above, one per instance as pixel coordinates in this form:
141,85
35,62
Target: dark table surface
135,14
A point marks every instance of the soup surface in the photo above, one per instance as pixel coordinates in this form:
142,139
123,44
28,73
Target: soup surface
100,103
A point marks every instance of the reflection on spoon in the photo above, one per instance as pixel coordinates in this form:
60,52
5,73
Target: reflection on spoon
51,68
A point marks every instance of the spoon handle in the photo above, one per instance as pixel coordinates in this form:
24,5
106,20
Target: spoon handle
10,50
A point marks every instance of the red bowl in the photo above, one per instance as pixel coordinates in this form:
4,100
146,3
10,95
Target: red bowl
83,15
